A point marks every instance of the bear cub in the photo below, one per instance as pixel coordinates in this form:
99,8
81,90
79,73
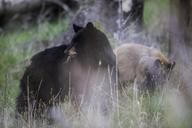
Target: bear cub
145,67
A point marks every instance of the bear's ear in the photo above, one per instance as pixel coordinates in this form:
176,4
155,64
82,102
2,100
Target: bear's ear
157,63
77,28
89,25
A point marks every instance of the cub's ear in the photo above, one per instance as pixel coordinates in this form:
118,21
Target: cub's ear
89,25
77,28
171,65
157,63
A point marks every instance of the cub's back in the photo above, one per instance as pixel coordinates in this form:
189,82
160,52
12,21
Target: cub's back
129,56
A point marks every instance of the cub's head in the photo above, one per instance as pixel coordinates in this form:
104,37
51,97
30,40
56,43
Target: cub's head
92,46
164,65
156,71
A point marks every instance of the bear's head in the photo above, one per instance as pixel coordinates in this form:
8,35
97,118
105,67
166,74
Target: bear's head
164,68
163,65
156,71
92,46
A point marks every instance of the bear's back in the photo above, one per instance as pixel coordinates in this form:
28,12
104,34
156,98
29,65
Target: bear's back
128,56
49,56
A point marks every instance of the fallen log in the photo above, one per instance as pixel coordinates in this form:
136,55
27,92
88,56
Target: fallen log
14,9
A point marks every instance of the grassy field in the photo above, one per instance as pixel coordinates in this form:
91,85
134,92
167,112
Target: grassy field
164,109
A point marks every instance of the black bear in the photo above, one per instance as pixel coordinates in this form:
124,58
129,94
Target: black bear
73,70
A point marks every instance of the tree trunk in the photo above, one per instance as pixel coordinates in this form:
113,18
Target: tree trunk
181,42
136,13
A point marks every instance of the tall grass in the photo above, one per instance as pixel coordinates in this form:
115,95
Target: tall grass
143,111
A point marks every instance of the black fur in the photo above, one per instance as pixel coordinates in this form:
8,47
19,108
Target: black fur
46,80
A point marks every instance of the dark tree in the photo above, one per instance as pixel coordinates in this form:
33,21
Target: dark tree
136,13
181,41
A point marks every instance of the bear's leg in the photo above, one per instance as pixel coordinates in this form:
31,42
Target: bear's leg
21,105
26,107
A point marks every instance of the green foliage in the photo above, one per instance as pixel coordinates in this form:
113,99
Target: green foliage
152,10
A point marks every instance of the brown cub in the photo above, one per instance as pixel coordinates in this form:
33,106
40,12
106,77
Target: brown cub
144,66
